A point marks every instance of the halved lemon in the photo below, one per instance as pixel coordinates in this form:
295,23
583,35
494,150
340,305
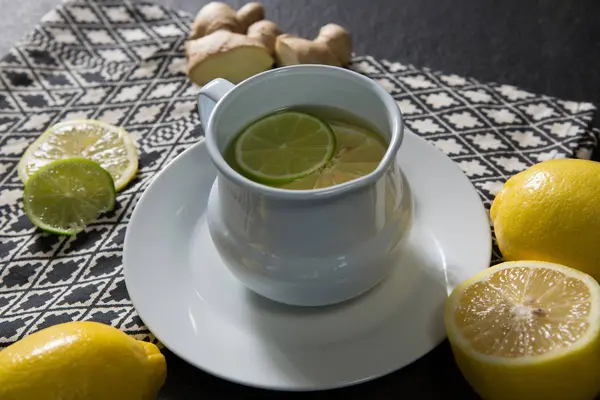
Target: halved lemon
108,145
527,330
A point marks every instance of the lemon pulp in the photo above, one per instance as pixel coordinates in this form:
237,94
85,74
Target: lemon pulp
358,153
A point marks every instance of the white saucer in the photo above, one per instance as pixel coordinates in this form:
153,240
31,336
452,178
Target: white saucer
193,304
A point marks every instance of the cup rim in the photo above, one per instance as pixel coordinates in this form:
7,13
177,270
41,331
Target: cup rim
392,110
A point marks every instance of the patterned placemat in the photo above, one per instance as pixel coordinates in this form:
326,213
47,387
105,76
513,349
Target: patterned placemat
122,62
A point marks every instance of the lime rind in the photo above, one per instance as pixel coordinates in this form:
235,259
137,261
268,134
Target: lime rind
278,143
39,153
74,189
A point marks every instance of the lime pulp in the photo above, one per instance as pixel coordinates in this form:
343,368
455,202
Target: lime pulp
284,147
66,195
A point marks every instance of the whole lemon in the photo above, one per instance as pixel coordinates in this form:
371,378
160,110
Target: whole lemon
81,361
551,212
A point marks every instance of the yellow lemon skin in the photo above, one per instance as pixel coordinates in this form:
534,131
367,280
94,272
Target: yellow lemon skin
551,212
555,380
81,361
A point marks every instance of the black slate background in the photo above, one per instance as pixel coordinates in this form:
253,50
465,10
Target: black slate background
544,46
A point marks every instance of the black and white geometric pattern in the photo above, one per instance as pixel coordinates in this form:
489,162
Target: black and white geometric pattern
123,62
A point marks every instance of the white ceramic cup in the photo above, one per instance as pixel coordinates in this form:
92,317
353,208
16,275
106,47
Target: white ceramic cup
312,247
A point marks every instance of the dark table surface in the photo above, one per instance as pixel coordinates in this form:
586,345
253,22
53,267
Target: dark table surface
549,47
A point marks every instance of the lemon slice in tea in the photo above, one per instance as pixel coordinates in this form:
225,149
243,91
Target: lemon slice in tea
527,330
283,147
358,153
110,146
66,195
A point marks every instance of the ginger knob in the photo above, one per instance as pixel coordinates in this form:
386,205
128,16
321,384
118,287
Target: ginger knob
219,16
266,32
249,14
337,39
332,46
213,17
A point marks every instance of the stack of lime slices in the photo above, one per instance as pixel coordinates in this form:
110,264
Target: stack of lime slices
72,172
296,150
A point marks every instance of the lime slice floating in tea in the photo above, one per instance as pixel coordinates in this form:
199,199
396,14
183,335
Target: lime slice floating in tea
66,195
358,153
283,147
110,146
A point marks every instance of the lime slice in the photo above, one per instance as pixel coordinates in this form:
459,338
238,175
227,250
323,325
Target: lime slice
65,195
106,144
358,153
283,147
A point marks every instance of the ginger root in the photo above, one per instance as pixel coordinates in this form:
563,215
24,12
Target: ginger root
218,47
332,46
234,45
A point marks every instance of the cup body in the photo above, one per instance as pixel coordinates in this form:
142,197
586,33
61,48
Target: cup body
314,247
